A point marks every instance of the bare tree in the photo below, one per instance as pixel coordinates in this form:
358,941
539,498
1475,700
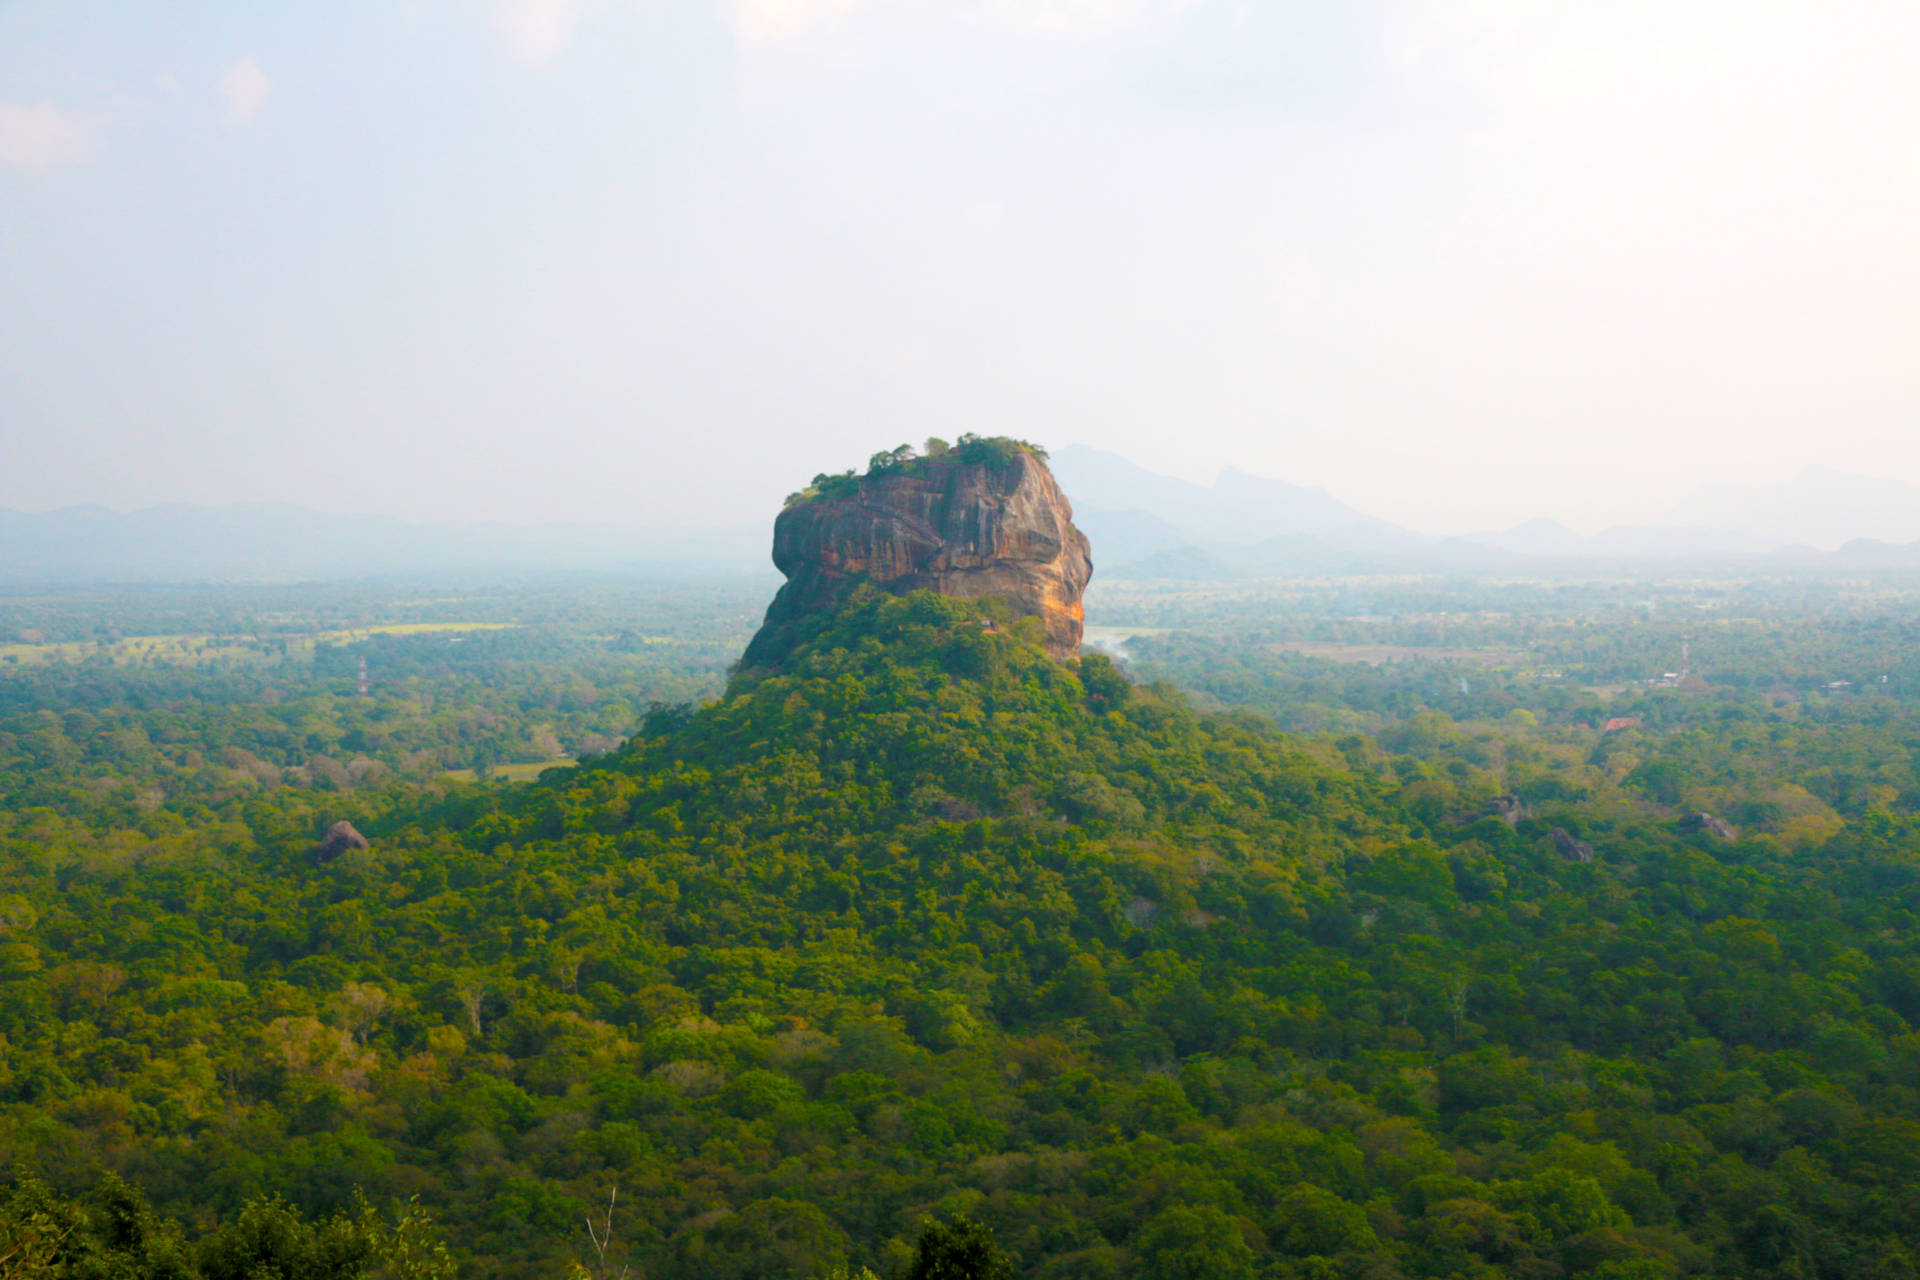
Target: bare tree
602,1237
472,994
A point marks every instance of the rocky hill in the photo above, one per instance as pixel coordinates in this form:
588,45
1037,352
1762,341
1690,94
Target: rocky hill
984,518
921,921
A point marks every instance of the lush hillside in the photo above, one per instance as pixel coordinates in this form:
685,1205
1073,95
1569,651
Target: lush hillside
926,923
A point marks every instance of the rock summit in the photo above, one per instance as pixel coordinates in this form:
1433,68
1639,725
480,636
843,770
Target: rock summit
983,518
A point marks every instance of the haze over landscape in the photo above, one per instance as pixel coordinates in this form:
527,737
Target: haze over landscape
1461,266
1146,525
959,640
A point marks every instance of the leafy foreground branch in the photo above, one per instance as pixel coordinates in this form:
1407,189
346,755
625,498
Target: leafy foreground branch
114,1235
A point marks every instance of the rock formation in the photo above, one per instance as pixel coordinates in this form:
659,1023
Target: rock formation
1571,847
341,838
982,519
1708,824
1511,810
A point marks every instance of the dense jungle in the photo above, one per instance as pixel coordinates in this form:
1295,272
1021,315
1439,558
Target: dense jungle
1334,928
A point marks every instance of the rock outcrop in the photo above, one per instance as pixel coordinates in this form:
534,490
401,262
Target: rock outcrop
341,838
1571,847
1511,810
983,519
1708,824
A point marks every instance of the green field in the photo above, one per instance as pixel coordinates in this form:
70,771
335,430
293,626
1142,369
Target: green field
513,772
197,649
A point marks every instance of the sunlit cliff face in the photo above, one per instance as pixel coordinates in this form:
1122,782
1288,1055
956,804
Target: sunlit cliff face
961,529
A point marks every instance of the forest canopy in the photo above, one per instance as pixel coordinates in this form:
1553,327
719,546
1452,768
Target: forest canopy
926,927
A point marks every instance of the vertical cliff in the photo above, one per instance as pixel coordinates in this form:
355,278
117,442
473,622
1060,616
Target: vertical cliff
983,519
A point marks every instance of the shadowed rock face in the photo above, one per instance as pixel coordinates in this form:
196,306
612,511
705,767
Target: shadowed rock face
1511,810
341,838
961,529
1718,828
1570,848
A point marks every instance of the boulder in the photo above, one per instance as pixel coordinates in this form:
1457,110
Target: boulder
341,838
1708,825
1570,847
1511,810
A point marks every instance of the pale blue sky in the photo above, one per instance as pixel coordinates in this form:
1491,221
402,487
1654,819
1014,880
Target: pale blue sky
658,262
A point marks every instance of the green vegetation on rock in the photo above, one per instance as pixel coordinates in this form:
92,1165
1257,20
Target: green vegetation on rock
997,452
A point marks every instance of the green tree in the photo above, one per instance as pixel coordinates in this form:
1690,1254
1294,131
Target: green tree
1193,1243
958,1249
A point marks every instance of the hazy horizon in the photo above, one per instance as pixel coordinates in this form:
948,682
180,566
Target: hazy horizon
1820,508
657,263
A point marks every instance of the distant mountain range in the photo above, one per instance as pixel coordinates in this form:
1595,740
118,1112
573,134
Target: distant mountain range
1820,507
1142,525
279,542
1145,525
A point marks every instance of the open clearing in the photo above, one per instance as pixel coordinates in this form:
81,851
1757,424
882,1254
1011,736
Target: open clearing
200,649
513,772
1379,654
351,635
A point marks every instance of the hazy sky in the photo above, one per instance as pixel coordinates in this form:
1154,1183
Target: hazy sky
1461,263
